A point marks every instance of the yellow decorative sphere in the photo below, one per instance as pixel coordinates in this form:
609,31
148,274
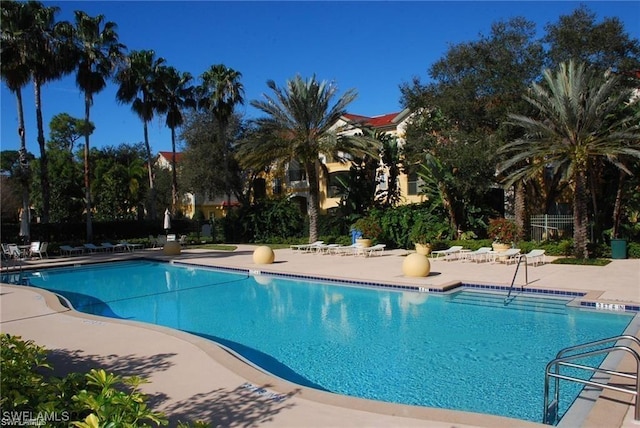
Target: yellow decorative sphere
171,248
263,255
416,265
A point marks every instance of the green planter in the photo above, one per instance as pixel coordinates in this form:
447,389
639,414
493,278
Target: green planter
618,248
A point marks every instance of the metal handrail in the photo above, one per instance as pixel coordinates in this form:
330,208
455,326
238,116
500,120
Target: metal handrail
561,360
526,276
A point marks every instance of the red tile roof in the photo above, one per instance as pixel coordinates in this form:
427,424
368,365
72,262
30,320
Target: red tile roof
375,121
168,156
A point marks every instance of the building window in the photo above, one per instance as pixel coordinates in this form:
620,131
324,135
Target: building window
334,187
277,186
295,172
413,184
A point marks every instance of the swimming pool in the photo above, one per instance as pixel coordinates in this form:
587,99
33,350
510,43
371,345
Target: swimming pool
464,351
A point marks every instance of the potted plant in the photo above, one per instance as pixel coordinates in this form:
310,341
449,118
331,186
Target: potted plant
421,235
504,232
369,230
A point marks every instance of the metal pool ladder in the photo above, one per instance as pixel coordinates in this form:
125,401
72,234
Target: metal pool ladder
550,414
513,281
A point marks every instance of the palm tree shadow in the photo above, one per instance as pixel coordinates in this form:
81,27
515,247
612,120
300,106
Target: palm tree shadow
247,405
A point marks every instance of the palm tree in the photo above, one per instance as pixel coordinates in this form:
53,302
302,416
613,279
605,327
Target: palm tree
99,53
48,59
140,85
574,127
16,19
222,91
300,117
176,95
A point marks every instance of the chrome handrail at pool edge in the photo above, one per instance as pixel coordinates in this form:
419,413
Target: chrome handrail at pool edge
561,360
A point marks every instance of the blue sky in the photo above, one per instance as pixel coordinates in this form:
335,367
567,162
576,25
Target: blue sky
371,46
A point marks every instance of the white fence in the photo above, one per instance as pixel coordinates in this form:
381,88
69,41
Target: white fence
546,227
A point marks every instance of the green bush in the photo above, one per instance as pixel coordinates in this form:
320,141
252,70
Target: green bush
95,399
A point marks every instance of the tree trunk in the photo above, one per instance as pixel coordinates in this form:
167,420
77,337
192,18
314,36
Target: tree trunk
87,169
174,174
24,163
447,201
313,207
617,206
580,215
152,190
521,208
222,129
44,164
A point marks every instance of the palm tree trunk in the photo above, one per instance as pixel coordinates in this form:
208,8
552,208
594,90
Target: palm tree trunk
617,206
87,169
521,208
580,215
24,164
174,174
152,190
222,129
313,201
44,164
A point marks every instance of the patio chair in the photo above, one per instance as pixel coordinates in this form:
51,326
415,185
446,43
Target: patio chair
448,252
325,248
14,252
108,246
478,255
92,248
35,246
304,247
348,250
373,250
68,250
509,256
535,257
40,250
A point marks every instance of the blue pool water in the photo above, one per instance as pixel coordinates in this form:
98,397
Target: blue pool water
464,351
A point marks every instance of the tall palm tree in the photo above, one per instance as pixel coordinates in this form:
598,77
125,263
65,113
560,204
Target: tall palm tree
177,94
223,90
99,53
300,117
140,85
573,127
16,20
49,59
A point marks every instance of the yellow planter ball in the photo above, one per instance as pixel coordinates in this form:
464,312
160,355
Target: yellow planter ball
263,255
416,265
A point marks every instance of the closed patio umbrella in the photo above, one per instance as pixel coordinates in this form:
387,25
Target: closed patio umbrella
167,220
24,225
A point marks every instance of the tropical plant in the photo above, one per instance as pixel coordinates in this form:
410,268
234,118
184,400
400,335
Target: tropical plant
15,23
504,231
176,95
98,54
140,84
220,92
573,126
299,120
369,226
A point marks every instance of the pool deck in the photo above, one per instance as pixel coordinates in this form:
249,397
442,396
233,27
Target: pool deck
194,379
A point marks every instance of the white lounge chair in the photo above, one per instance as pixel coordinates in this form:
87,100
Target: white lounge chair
348,250
508,256
68,250
448,252
373,250
535,257
93,248
325,248
304,247
40,250
478,255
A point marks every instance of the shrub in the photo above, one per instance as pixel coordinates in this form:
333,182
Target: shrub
504,230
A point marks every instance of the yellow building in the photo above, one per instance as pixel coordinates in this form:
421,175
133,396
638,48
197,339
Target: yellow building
294,182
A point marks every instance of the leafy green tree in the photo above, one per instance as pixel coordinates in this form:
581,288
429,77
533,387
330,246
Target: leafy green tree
119,181
65,130
572,128
17,18
299,119
98,54
604,45
220,92
458,118
177,94
140,83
